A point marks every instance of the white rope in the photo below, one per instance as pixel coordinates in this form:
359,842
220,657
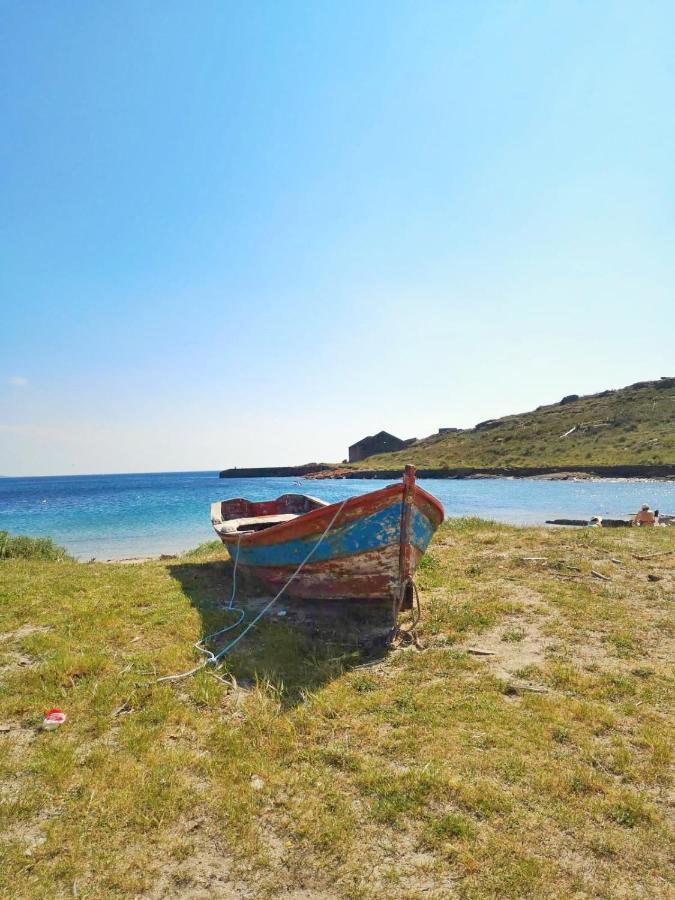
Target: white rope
213,658
230,608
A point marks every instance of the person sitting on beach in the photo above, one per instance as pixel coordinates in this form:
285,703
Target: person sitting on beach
645,516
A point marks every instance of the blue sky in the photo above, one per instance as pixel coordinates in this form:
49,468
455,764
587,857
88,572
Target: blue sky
240,234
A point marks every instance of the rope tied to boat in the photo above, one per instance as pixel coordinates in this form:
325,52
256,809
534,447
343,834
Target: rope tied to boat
404,635
214,658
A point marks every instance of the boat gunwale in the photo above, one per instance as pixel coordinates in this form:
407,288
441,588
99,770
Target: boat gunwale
326,512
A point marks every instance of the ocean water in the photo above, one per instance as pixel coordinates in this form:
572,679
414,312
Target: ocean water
118,516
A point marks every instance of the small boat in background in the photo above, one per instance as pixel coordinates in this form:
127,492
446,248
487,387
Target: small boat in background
363,548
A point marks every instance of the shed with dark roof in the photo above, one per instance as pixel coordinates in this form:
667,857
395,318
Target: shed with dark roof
382,442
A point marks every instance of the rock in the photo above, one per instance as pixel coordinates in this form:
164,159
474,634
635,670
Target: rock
257,783
570,398
580,522
487,425
563,476
655,577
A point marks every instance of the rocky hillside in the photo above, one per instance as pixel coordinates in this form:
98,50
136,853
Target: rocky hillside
634,425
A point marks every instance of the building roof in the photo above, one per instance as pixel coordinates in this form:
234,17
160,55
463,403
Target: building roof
371,437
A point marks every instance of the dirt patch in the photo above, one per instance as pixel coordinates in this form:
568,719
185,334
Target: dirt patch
403,869
22,632
510,647
131,561
14,660
29,834
209,872
17,739
204,874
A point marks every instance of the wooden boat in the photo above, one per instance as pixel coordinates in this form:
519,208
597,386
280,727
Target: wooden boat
365,548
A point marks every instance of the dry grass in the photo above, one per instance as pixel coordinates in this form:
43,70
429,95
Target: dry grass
540,770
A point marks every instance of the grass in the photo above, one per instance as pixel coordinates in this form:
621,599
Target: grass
541,770
631,426
22,547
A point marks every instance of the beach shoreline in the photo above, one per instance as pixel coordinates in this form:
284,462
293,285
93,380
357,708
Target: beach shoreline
145,516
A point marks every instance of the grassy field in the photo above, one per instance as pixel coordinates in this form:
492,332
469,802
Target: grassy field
631,426
524,752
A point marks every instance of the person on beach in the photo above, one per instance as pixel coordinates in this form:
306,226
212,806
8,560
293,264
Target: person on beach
645,516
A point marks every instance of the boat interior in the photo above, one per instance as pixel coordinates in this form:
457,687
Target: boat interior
241,516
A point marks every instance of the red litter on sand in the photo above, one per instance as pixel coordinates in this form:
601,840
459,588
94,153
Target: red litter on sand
53,718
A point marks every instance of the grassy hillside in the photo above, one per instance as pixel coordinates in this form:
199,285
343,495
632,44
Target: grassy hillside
537,769
631,426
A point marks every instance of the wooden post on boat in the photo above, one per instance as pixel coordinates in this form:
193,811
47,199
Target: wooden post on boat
406,588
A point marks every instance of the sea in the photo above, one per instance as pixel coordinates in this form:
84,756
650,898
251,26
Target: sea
137,515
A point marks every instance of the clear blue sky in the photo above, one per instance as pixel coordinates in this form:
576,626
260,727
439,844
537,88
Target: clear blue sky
252,233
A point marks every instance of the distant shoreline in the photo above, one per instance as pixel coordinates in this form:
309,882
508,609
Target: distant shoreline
319,471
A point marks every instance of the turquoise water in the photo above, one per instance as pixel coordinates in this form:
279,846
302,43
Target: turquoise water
117,516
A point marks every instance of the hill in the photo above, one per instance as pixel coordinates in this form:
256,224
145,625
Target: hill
634,425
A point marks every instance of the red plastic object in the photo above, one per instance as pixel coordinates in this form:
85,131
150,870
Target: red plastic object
53,718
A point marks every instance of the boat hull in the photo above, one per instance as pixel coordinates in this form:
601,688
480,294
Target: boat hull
375,541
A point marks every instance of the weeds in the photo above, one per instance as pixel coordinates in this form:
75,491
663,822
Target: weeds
22,547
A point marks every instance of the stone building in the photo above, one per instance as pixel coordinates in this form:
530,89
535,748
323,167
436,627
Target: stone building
382,442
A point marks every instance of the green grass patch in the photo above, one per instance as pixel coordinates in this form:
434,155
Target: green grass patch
425,771
22,547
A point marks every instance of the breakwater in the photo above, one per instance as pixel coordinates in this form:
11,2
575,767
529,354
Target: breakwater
276,471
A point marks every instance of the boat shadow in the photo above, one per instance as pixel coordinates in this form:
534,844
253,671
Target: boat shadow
296,646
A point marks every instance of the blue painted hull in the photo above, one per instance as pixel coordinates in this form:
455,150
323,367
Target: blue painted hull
371,533
363,555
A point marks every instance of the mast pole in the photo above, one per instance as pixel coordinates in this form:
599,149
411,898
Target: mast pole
405,586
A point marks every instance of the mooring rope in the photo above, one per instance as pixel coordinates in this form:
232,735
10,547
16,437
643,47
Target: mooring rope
407,635
229,608
214,658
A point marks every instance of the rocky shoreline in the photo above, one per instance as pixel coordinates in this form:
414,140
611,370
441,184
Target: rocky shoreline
317,471
618,473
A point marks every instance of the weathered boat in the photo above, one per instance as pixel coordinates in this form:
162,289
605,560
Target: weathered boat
365,548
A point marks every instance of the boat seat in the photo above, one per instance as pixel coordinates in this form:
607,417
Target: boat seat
236,515
253,523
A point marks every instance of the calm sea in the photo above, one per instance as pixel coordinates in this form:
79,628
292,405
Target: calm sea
117,516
